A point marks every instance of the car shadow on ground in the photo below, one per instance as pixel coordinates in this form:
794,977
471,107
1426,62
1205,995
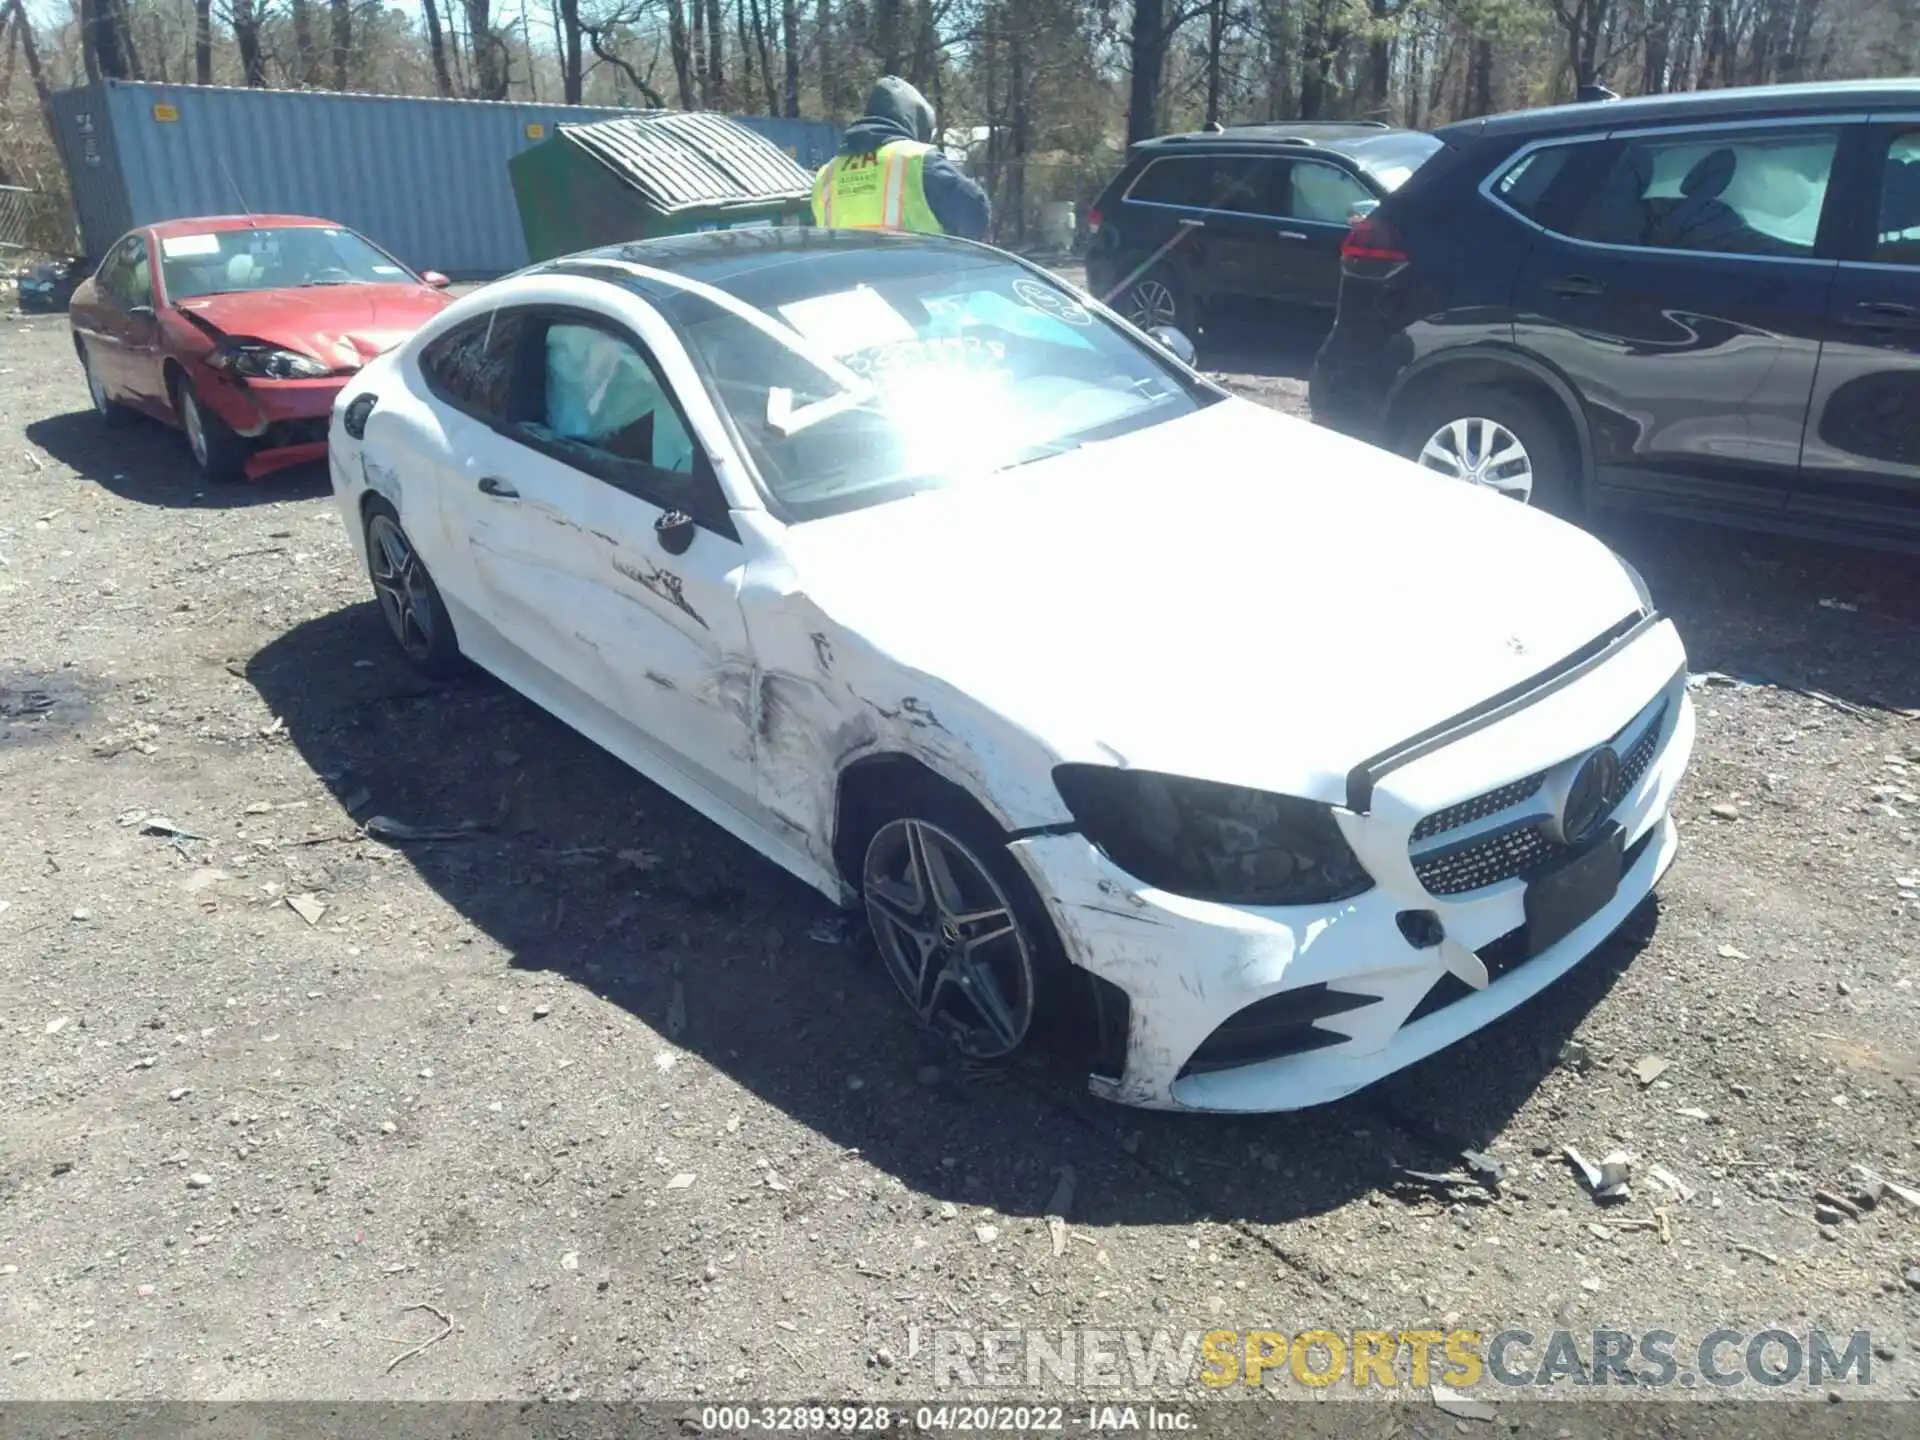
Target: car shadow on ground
587,871
147,462
1833,619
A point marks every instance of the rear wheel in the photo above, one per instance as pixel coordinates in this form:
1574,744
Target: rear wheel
410,602
959,928
1156,298
220,453
1498,439
109,410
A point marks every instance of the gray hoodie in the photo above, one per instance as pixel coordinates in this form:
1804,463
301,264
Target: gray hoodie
897,111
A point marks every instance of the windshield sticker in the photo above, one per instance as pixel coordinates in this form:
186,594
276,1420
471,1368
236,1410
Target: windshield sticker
1048,301
850,321
179,247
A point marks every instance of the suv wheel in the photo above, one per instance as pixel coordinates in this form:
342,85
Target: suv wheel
1156,298
1497,439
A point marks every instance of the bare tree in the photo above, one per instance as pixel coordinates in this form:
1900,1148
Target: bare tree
203,42
790,39
437,49
341,14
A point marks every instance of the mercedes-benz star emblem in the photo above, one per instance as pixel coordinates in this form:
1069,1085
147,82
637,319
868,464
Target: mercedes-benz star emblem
1589,796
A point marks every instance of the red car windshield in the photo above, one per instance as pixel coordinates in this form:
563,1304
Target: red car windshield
219,262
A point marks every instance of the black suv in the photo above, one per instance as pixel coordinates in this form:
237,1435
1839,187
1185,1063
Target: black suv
1240,218
1707,304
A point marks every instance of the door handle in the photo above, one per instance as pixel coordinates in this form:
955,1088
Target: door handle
499,489
1293,235
1883,315
1575,287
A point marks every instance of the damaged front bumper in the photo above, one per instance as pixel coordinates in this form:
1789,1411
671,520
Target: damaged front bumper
285,419
1346,994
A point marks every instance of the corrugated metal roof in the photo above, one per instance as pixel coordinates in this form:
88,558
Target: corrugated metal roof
681,161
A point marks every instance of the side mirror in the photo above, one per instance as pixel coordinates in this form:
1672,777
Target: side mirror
435,279
1174,341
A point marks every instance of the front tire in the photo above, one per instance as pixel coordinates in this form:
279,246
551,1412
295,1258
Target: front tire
959,928
410,602
1496,438
220,453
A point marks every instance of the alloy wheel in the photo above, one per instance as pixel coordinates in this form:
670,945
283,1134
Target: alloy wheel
950,938
1151,303
195,427
1481,452
400,582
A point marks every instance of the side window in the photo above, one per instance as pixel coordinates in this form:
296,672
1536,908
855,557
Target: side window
604,410
1171,182
602,395
1897,235
126,275
1736,192
1526,182
471,367
1323,193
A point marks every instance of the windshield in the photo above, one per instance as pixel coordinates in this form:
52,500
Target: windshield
221,261
941,368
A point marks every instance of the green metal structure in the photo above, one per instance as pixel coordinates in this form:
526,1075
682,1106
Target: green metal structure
642,176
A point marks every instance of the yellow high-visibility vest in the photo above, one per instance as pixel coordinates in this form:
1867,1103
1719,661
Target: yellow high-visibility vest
879,191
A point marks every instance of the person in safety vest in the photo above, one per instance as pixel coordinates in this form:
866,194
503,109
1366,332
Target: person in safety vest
890,176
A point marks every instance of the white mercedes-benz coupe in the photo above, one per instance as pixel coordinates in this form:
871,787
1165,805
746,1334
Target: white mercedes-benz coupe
1270,761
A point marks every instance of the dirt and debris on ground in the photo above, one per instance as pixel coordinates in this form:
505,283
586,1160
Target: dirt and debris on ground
587,1099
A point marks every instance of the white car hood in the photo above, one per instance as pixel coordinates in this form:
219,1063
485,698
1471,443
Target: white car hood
1237,596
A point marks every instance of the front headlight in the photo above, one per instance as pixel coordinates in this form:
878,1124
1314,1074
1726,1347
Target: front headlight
267,362
1210,841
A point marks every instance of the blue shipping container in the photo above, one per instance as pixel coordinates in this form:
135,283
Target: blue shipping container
424,178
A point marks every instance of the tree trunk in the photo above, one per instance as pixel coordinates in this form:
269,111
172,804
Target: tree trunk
342,15
680,44
437,49
203,42
23,28
1480,79
246,38
763,46
1021,128
1379,60
716,54
887,35
572,74
790,34
303,69
831,85
1147,48
489,54
1216,40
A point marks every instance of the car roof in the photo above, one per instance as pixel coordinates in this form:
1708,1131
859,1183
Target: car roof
717,257
204,224
1342,137
1756,102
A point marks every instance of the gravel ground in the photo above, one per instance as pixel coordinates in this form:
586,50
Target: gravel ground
603,1088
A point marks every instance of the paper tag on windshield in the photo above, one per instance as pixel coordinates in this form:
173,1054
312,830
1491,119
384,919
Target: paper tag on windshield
853,320
180,247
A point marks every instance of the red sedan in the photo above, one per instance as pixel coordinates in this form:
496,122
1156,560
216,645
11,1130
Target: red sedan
241,330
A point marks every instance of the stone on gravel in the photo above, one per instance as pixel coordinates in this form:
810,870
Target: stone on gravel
309,908
541,1012
1724,811
986,1234
570,1260
1732,952
1576,1057
62,1167
1650,1068
681,1181
54,1027
199,1180
180,1092
387,1127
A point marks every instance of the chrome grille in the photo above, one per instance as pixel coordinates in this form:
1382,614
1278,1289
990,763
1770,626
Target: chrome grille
1486,861
1478,808
1520,850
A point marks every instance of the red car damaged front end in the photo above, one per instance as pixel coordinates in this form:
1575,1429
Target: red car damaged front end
274,361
